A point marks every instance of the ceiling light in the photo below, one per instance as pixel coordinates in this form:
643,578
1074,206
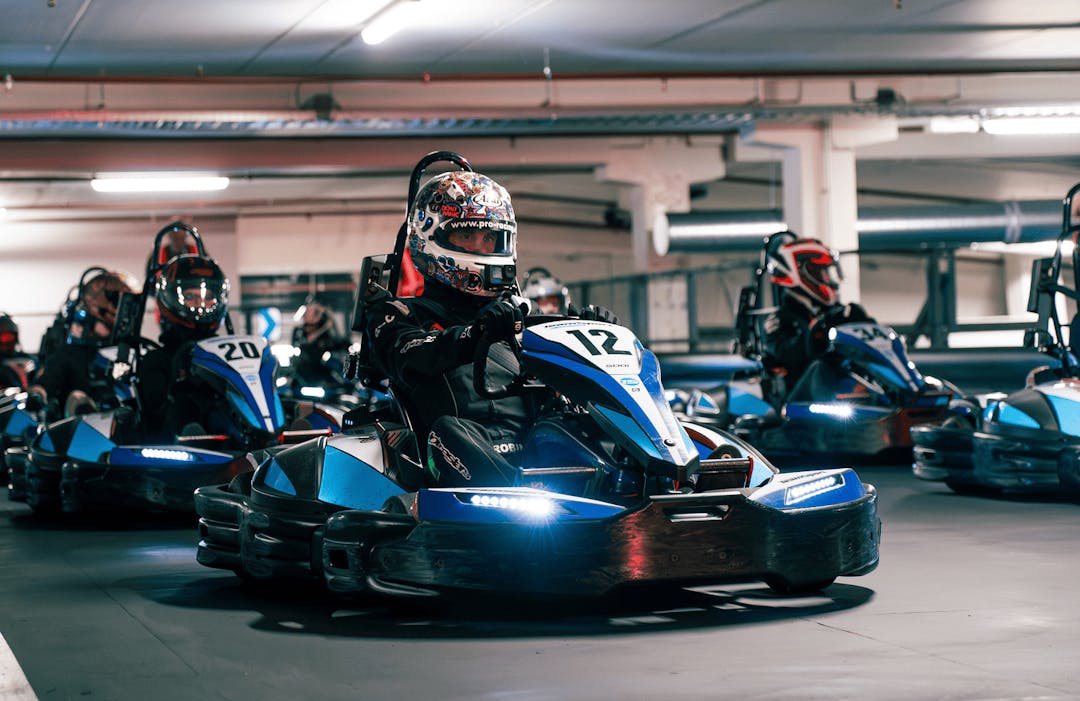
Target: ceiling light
158,182
390,21
954,125
1048,126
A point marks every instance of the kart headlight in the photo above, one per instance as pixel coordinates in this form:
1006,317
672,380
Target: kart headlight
166,454
536,507
840,411
806,490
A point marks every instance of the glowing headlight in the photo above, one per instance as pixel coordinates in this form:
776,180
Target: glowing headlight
165,454
843,411
532,506
799,492
317,392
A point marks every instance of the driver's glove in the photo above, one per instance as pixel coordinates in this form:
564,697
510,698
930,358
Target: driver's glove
501,320
594,312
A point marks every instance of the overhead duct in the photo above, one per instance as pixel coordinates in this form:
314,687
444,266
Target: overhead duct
881,228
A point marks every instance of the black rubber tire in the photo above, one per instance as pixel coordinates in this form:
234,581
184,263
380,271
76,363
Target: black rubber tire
785,587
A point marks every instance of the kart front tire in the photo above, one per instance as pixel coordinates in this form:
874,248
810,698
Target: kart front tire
787,587
971,490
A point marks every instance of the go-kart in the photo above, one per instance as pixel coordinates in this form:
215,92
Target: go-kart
109,460
856,401
20,416
613,491
1029,440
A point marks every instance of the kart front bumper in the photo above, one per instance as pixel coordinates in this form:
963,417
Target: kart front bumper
1040,462
864,436
674,539
88,486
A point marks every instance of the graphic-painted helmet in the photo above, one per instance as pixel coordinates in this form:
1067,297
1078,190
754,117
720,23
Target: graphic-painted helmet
9,335
193,295
462,233
94,311
546,291
808,270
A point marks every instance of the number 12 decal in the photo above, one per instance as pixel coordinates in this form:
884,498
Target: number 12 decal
234,351
607,346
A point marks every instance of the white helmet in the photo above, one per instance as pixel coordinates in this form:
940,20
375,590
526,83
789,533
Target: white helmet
460,204
546,291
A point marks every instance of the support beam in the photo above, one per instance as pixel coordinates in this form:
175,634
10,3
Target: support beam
660,172
819,195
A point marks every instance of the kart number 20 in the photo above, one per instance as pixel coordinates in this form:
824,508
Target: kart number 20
607,346
235,351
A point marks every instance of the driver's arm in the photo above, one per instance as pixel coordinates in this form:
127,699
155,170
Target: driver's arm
405,349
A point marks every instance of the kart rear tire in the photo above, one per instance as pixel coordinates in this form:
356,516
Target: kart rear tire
786,587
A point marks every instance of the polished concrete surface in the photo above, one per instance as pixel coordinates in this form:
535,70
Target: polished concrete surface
975,598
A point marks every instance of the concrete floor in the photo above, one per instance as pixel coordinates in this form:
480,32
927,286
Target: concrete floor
975,598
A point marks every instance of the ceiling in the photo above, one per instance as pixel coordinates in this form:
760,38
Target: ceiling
285,97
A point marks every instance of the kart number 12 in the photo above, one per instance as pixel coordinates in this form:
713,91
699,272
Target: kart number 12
607,346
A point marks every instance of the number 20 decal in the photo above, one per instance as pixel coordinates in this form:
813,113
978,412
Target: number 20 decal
607,346
235,351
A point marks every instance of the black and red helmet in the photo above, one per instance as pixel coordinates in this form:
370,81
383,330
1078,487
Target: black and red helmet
192,294
808,270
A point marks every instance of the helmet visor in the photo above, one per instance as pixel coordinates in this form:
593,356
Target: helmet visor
819,269
197,298
487,237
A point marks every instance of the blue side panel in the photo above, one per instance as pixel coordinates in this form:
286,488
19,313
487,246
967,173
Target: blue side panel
742,403
1068,414
276,478
45,442
19,423
266,380
88,445
631,428
244,408
352,483
1008,414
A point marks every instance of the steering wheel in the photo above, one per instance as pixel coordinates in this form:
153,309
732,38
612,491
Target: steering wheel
518,385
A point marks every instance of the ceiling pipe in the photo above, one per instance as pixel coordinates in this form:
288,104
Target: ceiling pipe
880,228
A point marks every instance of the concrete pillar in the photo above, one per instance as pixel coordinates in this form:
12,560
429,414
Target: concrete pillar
819,189
660,172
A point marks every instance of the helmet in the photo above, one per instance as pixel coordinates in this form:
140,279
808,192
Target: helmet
9,334
94,311
315,320
546,291
448,210
192,294
808,270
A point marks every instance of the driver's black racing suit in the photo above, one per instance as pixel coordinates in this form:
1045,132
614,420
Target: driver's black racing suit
425,346
794,339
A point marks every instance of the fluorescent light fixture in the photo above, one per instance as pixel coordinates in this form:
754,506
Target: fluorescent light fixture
158,182
954,125
390,21
1049,126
